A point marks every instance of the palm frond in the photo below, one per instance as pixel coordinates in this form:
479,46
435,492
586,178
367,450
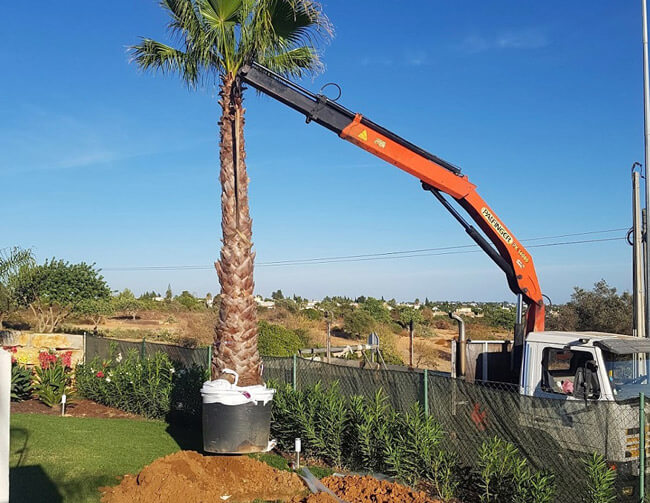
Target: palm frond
152,55
293,63
185,20
12,259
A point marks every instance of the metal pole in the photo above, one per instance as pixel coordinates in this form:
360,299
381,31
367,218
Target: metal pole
411,343
646,137
637,256
209,371
294,376
329,340
426,392
642,446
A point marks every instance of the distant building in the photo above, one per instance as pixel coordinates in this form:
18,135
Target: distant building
264,303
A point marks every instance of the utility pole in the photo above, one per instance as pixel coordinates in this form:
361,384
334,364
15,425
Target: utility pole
646,137
638,254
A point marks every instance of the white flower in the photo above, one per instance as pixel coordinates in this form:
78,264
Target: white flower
119,357
108,379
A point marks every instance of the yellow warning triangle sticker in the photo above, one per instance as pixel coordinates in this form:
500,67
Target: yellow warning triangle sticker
364,135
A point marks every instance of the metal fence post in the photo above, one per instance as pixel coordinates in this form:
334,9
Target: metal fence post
209,369
142,349
642,446
426,392
293,375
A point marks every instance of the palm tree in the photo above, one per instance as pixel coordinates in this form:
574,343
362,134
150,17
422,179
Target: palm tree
11,261
216,38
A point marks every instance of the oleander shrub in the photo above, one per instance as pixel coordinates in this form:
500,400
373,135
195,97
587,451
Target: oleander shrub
362,433
601,479
130,383
505,476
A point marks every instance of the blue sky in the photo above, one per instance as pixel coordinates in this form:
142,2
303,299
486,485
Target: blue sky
540,103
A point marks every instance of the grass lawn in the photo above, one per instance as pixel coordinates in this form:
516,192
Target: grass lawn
55,459
66,459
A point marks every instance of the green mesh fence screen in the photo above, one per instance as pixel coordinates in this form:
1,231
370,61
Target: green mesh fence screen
101,347
554,435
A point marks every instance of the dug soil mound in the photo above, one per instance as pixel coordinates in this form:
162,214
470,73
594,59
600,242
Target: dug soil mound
189,477
356,489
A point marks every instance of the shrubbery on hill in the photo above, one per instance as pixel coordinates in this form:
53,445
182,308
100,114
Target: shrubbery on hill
275,340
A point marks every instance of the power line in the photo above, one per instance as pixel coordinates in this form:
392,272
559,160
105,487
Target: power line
423,252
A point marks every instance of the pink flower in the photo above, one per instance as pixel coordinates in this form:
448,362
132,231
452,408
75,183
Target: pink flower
100,374
66,358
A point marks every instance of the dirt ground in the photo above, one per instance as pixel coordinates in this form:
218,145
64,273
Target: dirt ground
190,477
78,408
356,489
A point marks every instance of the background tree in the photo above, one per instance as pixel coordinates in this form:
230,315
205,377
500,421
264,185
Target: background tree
359,323
55,289
11,261
126,302
96,309
216,38
189,302
277,295
404,314
601,310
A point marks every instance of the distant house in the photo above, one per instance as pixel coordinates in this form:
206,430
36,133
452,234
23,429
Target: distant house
264,303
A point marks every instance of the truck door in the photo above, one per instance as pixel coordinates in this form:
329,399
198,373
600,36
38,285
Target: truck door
564,401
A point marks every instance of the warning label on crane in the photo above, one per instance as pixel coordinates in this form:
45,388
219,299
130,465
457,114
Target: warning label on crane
363,135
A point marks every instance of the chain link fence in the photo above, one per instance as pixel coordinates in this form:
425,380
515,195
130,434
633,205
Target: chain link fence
555,435
103,348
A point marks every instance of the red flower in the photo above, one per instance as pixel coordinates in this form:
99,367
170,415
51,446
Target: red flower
99,374
13,360
66,358
46,359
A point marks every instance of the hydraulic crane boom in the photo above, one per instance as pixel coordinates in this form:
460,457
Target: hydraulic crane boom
436,175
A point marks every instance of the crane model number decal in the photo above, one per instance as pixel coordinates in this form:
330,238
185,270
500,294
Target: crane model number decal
505,235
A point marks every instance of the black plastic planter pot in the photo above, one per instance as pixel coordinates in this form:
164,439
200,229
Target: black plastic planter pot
236,420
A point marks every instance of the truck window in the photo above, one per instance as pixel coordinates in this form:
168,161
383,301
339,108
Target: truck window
559,369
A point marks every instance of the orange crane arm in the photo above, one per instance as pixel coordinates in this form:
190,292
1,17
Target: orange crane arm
437,176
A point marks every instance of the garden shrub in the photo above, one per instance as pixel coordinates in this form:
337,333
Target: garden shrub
21,382
505,476
133,384
275,340
362,433
601,479
21,377
186,391
53,377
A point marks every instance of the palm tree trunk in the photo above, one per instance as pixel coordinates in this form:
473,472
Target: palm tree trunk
235,343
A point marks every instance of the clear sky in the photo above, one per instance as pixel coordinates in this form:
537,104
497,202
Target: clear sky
540,103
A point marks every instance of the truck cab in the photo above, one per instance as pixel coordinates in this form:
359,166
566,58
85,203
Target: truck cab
584,366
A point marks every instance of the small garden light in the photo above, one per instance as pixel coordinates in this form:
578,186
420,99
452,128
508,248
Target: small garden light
63,401
297,448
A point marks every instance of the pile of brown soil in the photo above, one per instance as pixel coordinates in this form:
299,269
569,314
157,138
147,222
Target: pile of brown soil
78,408
189,477
356,489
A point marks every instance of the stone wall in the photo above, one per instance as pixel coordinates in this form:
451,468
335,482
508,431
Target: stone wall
29,344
